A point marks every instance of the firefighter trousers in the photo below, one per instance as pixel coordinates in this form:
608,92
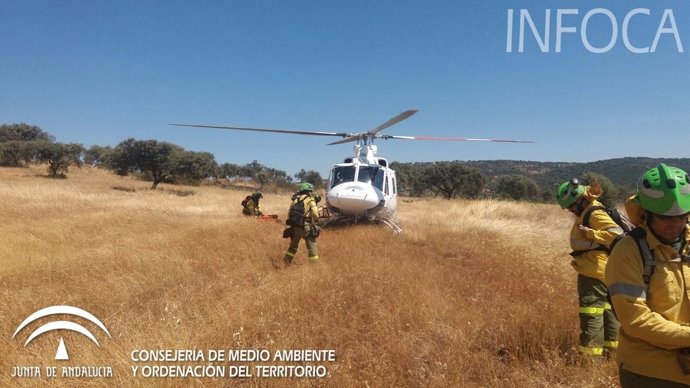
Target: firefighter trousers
299,233
598,324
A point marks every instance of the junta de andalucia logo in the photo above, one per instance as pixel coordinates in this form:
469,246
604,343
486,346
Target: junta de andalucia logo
61,354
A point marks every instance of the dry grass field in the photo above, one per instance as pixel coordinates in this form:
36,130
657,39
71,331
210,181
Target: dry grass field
471,294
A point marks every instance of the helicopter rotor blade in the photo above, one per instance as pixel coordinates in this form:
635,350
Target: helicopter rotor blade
392,121
314,133
346,140
361,136
452,139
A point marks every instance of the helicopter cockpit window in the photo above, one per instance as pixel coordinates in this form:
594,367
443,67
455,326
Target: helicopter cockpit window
343,174
366,174
371,175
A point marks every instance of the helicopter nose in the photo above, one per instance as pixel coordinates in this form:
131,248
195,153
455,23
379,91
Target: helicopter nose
353,199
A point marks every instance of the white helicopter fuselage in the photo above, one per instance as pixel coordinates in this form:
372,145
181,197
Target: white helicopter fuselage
363,186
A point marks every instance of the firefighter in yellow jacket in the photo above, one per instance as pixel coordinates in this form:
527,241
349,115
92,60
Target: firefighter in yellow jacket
302,215
598,324
651,300
250,205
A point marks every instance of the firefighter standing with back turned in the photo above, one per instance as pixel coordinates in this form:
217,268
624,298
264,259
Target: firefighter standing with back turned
652,301
598,324
302,215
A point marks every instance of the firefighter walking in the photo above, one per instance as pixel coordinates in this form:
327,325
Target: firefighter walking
598,324
302,215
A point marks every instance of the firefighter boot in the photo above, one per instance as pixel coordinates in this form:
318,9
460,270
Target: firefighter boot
289,255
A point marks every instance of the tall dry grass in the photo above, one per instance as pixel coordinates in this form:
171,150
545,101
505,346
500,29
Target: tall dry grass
472,294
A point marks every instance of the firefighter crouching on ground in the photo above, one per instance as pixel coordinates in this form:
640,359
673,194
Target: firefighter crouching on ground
302,227
598,324
655,314
250,205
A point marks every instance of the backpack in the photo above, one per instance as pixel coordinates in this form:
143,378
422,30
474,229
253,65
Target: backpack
621,220
615,215
296,215
646,255
246,200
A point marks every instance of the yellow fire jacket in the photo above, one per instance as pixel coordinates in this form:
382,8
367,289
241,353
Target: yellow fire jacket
252,208
654,320
311,210
602,231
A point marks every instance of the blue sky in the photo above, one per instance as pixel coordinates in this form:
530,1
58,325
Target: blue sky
98,72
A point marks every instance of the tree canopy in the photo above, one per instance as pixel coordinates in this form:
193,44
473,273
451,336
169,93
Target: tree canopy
59,156
23,132
446,179
310,176
21,144
517,187
98,156
161,161
18,143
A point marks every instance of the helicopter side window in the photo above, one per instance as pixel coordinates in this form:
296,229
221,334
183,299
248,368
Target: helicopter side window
343,174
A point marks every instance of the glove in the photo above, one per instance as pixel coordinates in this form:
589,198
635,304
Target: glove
583,230
315,231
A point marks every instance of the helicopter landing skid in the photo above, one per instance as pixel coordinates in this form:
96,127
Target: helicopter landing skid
391,224
345,220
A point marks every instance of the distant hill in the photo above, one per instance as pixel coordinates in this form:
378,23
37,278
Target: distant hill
623,172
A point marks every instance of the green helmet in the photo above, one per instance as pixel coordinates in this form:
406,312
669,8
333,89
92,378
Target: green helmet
257,195
569,192
664,190
306,186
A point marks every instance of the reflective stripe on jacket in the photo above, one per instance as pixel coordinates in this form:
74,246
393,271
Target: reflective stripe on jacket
653,319
603,230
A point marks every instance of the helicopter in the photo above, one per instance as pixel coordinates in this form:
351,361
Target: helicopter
362,187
